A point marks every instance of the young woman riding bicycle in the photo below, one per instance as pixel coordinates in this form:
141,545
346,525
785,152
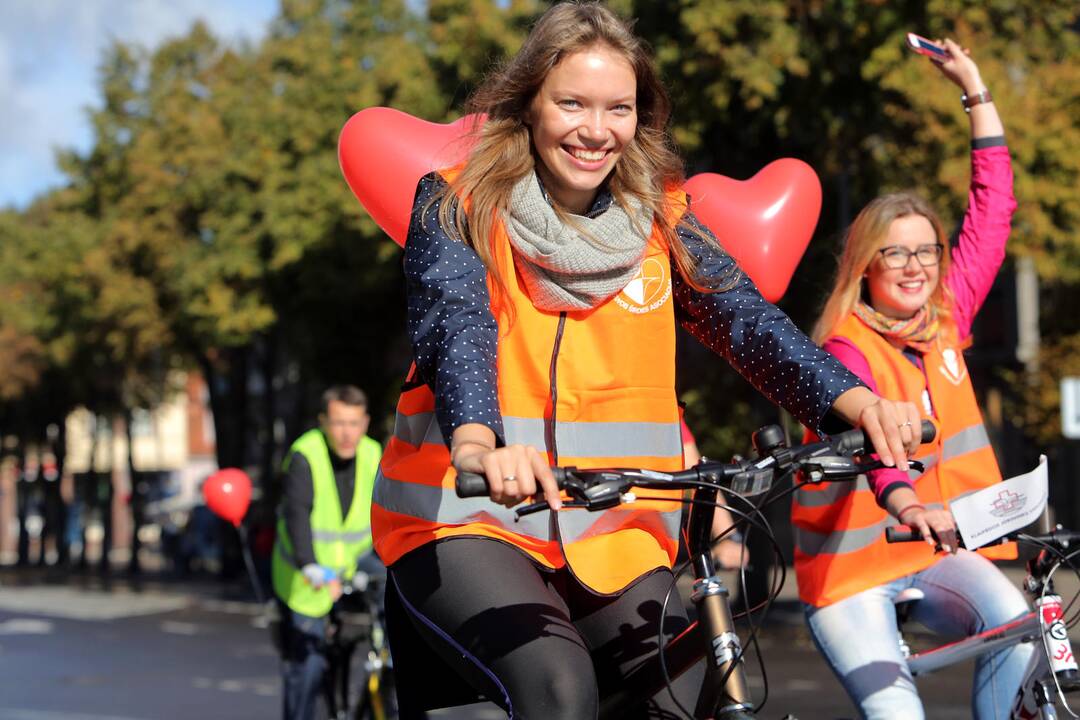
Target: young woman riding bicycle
898,317
528,354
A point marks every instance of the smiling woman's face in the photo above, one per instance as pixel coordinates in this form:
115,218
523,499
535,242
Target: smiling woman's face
582,119
901,292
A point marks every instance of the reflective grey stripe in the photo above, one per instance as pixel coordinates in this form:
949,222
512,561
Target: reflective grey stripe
418,429
599,439
442,505
575,439
346,537
967,440
832,492
844,541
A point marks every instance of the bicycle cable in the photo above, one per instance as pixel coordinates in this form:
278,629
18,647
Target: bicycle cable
661,643
765,529
1042,630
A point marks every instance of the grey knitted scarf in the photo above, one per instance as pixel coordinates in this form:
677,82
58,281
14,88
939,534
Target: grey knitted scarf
574,268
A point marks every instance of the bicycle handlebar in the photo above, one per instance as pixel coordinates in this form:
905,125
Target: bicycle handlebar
601,488
1060,538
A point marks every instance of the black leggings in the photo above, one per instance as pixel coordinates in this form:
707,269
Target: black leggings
534,641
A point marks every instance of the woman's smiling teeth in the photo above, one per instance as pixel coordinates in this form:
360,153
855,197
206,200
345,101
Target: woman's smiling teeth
586,155
911,285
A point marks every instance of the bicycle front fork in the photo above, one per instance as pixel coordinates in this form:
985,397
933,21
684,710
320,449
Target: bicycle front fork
724,694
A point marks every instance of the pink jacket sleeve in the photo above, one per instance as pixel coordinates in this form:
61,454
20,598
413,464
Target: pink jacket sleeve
980,246
881,481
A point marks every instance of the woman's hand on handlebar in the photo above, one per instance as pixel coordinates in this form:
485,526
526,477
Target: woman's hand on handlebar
931,524
513,473
894,427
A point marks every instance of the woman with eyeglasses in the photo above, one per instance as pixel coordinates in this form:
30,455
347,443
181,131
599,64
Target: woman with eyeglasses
899,316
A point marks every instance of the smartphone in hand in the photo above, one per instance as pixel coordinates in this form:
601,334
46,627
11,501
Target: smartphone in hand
924,47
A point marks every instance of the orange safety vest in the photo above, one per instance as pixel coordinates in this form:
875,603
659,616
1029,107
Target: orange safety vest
591,389
840,547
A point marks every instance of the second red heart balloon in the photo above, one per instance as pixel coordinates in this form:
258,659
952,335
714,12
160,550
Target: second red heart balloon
228,494
764,222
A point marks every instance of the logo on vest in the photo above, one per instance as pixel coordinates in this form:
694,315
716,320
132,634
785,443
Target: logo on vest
953,369
649,289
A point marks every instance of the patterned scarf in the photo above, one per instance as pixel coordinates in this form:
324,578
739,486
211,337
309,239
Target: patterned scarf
919,331
579,266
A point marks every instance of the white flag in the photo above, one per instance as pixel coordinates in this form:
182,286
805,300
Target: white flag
991,513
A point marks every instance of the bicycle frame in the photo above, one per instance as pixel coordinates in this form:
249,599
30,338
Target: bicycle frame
1024,629
350,629
1052,666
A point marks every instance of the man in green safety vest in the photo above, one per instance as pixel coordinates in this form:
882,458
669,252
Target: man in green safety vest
323,532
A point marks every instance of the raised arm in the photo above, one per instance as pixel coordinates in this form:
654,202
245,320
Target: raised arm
980,244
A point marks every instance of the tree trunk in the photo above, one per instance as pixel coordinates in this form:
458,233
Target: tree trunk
270,417
137,494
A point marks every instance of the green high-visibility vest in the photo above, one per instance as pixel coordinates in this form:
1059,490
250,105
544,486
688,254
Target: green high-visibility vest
339,539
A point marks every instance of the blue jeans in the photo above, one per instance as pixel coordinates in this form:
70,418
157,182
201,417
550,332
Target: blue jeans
303,663
964,594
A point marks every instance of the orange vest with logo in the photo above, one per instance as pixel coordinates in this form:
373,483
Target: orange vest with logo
590,389
840,547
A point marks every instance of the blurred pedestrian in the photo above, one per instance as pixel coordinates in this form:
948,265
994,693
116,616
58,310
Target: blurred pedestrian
323,533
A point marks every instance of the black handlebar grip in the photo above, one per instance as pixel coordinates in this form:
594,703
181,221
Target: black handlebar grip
470,485
856,441
902,533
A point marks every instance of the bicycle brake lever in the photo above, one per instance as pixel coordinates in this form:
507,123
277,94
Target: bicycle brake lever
915,465
533,508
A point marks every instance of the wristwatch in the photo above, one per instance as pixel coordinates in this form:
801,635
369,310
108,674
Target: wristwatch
970,101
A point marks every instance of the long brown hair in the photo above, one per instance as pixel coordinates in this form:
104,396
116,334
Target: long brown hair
861,245
502,153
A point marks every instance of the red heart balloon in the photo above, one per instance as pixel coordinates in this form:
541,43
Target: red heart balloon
384,152
228,494
764,222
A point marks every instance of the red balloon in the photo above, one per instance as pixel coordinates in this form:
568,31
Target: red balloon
228,494
765,222
384,152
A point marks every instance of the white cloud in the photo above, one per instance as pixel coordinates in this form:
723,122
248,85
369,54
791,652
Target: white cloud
49,52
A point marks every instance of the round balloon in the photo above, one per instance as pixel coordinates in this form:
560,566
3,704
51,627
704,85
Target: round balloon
765,222
228,494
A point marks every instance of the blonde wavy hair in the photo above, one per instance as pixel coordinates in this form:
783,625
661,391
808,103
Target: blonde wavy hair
864,238
502,153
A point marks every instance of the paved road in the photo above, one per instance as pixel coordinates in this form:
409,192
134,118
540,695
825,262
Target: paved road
78,649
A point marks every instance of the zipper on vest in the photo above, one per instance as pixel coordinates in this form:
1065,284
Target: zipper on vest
553,374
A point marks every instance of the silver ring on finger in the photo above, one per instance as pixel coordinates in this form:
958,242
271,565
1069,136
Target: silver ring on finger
906,424
509,478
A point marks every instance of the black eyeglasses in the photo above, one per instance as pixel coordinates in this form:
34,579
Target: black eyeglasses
898,256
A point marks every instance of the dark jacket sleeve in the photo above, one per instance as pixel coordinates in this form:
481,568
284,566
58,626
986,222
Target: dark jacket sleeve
297,501
454,335
758,339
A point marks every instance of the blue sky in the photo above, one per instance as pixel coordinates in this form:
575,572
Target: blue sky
49,53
